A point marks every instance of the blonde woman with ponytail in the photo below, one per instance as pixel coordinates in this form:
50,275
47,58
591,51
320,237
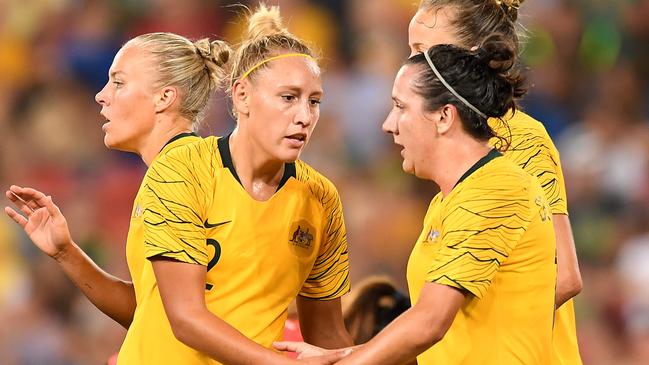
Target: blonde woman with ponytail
237,227
467,23
158,88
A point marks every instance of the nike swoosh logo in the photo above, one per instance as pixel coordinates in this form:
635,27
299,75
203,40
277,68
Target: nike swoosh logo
212,225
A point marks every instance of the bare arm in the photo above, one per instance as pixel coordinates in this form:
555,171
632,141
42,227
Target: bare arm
48,229
569,281
413,332
182,289
321,323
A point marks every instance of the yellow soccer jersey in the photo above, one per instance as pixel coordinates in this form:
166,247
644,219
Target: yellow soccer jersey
533,150
491,237
259,255
134,243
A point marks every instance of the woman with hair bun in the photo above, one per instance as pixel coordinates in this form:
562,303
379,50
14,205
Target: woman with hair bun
482,273
467,23
237,227
158,88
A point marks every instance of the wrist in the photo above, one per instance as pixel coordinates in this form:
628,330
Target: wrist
64,253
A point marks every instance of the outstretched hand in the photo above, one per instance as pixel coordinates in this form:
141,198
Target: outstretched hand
332,357
42,220
307,352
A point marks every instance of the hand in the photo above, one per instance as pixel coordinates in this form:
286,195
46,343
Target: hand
330,358
305,350
44,223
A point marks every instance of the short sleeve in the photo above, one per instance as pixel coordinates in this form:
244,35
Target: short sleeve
329,277
479,232
175,202
555,191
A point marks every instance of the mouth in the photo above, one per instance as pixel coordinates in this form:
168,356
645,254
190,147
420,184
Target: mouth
297,139
106,122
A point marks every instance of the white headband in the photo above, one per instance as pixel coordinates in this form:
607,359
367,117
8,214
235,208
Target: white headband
449,88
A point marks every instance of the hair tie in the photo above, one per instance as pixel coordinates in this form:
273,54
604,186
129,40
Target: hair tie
247,73
449,88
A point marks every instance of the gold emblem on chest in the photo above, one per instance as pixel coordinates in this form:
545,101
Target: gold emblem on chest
302,238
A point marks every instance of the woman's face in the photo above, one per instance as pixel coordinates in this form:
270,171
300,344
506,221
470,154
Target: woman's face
430,27
127,101
284,106
411,126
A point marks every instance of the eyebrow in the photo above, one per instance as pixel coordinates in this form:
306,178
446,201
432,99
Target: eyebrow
300,90
115,73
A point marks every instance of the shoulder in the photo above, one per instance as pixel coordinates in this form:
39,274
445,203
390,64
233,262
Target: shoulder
317,184
195,153
500,179
500,190
526,129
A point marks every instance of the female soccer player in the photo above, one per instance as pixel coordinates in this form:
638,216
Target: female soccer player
158,86
235,228
482,273
467,23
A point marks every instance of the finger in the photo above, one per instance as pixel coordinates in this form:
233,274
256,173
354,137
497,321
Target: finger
43,201
15,194
30,194
334,357
40,200
20,203
286,346
52,209
16,217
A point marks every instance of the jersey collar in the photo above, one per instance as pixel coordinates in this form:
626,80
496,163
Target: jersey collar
494,153
223,144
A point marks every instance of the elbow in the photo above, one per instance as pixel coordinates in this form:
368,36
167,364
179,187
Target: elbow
428,337
181,326
569,288
574,285
577,286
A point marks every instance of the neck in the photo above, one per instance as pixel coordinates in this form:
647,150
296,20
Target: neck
159,136
452,166
259,173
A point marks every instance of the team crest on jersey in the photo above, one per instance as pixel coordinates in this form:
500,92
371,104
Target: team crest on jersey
302,238
432,236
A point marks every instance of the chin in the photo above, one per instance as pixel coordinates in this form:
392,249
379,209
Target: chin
289,155
408,167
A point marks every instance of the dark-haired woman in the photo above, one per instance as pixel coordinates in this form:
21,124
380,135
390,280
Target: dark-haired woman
482,273
467,23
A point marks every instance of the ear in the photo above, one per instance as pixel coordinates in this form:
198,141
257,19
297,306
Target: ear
165,98
447,119
241,96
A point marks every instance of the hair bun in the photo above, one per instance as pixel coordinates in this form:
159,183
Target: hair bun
265,21
216,55
510,7
497,52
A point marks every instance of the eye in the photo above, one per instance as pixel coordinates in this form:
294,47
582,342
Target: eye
398,105
315,102
288,97
118,84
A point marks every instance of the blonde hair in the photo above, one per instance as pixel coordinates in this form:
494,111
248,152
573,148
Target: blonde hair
266,36
476,20
196,68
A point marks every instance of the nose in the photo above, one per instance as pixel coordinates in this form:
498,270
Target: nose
306,113
101,98
390,125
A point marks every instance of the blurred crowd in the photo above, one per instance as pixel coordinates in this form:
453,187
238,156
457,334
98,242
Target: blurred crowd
588,68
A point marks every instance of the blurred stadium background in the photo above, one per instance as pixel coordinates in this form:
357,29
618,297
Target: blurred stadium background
589,67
